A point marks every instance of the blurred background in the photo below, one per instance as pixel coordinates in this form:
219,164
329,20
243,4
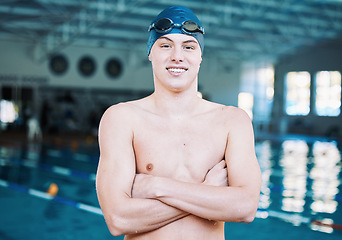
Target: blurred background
62,63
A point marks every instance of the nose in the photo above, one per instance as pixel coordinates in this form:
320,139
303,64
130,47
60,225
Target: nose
177,55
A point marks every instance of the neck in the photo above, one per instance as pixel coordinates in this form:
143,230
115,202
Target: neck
176,105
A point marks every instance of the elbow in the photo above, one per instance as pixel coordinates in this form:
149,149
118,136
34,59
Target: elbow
248,218
116,232
249,213
117,226
250,208
246,212
115,229
245,216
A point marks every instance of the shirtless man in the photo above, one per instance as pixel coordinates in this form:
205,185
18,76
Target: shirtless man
172,165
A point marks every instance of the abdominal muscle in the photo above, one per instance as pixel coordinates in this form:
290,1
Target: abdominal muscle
188,228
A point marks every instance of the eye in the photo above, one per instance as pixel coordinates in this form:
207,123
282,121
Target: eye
189,47
165,45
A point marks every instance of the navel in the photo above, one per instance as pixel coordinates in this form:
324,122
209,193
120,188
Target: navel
149,167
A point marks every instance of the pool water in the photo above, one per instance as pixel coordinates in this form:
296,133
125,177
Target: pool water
301,184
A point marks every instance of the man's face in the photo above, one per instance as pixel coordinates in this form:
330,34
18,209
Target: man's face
176,60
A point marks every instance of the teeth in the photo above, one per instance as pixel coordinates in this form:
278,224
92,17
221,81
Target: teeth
176,70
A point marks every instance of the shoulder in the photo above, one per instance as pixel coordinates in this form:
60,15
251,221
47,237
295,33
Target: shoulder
231,117
236,114
117,111
116,122
229,112
239,124
125,112
125,109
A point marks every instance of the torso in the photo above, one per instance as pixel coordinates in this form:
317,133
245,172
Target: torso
183,150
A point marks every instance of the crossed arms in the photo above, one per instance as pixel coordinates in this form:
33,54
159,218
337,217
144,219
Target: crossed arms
136,203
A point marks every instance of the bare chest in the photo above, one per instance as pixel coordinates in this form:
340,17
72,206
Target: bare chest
183,151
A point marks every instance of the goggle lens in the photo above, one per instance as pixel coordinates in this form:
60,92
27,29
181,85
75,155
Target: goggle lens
165,25
191,26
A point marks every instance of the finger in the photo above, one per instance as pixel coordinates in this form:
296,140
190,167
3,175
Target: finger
139,177
218,166
222,164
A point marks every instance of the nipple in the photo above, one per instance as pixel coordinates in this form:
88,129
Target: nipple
149,167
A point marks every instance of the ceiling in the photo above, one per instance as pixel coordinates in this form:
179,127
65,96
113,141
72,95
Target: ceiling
246,30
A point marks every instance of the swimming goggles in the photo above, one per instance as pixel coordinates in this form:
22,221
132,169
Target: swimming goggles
165,25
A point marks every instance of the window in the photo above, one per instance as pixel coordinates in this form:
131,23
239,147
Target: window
328,93
257,91
8,111
297,93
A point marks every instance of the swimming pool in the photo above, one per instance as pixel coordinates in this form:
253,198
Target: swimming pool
301,184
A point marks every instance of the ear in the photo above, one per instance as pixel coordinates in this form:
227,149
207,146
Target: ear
149,57
201,59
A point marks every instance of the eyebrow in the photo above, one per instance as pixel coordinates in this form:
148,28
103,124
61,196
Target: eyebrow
186,41
190,41
166,38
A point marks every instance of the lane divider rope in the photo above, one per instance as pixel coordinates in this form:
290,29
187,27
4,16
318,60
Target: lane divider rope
46,196
55,169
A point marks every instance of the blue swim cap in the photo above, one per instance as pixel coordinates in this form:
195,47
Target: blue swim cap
178,15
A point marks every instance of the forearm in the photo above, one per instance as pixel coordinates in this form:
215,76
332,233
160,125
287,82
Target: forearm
230,204
141,215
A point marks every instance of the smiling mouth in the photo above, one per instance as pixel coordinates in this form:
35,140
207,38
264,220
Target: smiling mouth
177,70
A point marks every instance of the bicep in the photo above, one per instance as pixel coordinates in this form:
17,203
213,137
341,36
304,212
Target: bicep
242,165
116,169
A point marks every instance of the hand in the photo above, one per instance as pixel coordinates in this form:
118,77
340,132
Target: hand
218,175
142,187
